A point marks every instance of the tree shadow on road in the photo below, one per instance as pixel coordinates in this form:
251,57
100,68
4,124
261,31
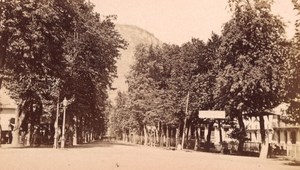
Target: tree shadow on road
100,144
9,146
292,163
95,144
285,161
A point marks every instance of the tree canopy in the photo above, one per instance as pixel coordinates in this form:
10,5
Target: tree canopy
52,49
247,71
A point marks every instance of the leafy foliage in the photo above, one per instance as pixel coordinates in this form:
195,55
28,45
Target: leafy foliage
246,71
161,77
292,77
52,49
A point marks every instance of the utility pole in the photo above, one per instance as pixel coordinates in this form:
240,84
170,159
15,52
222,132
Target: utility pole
185,119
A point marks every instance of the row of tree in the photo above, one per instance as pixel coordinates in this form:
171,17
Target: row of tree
51,49
248,70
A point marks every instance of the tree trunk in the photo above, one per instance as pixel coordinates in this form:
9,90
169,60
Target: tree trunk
3,56
79,140
262,129
84,136
208,136
92,137
178,142
0,134
75,132
168,137
185,120
142,137
3,46
145,136
2,63
220,131
55,144
123,136
161,138
183,133
243,133
134,138
152,137
264,146
18,122
196,139
127,135
188,136
28,135
189,132
158,135
172,137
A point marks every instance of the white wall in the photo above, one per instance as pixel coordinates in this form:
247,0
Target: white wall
5,116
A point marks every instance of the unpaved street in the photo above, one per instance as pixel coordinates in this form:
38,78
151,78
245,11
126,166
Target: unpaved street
103,155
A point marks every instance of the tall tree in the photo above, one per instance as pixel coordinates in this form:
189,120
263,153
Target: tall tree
293,74
32,36
48,46
143,87
92,51
252,53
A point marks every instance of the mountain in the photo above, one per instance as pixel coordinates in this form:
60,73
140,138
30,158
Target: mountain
134,36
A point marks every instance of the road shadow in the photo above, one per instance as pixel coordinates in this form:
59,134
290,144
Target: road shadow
20,146
95,144
292,163
285,161
100,144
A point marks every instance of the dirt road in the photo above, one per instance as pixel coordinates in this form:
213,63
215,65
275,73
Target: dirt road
101,156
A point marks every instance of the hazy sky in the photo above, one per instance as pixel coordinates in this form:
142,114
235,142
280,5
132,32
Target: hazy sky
177,21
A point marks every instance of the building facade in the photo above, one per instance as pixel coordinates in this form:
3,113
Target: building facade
285,137
7,116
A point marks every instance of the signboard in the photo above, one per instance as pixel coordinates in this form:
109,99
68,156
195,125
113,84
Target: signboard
211,114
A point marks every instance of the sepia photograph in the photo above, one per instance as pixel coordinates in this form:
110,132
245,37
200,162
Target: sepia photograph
149,84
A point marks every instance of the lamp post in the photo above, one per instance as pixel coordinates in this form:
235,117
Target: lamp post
65,103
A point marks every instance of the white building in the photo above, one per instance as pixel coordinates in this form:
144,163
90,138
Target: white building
286,136
7,115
